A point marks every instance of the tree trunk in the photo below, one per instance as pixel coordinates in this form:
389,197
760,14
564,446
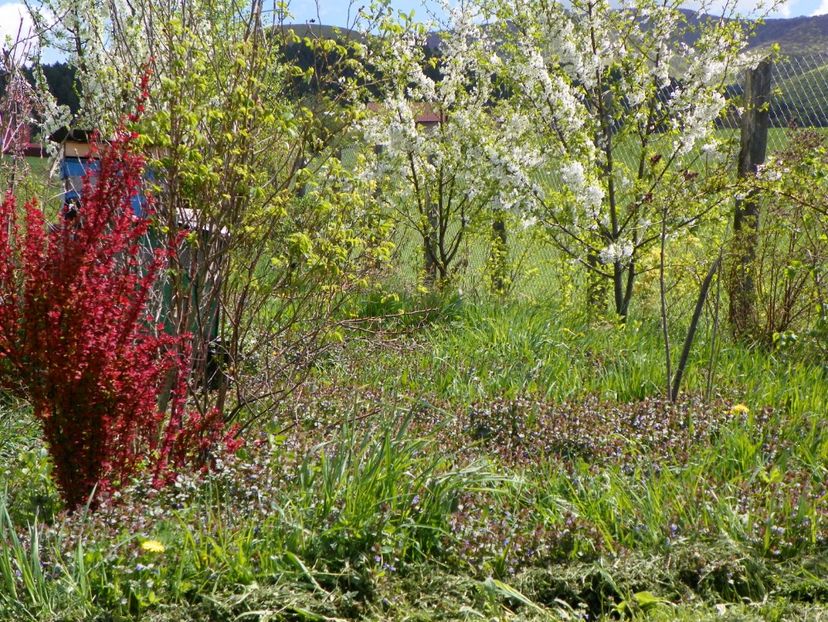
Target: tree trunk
500,257
596,289
691,331
431,242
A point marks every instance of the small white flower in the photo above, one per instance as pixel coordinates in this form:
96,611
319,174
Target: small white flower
572,174
616,252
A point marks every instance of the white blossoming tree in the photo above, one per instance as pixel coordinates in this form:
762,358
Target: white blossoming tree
433,130
81,32
620,105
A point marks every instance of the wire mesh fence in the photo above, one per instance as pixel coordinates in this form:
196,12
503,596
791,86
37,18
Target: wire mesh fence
801,92
799,100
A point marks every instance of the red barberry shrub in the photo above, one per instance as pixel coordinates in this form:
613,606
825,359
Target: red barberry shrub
77,342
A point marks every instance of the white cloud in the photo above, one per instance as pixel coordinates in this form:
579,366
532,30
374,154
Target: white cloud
15,22
12,15
822,9
16,26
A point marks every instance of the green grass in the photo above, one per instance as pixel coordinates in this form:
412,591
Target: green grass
505,461
36,170
34,182
549,351
804,93
378,523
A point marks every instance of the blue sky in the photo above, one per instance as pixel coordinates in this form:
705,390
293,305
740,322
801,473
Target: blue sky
335,12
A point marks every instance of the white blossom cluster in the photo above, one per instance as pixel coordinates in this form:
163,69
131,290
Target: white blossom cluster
588,193
592,78
616,252
773,170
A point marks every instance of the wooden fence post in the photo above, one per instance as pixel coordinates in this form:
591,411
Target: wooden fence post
754,142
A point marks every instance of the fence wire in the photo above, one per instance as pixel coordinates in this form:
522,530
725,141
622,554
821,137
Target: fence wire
800,92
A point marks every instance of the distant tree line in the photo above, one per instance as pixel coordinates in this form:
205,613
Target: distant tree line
324,66
60,78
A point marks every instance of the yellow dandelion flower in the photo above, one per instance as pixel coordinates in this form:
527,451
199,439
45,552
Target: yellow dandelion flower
152,546
739,409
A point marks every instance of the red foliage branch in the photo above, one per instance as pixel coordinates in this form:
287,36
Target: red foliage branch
76,340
